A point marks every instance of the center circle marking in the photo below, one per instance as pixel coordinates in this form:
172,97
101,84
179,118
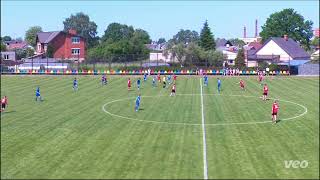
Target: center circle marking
197,124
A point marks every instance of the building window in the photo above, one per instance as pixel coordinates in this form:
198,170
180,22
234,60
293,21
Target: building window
75,40
6,56
75,51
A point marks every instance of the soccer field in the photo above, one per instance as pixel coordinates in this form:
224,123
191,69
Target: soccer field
95,132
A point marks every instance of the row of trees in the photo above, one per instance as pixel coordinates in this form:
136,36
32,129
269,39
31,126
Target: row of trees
190,48
121,42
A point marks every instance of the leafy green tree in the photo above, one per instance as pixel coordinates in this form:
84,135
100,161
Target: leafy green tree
315,42
179,52
289,22
84,27
124,50
263,65
116,32
206,38
21,53
193,54
50,51
161,40
31,35
141,36
6,38
273,67
29,52
185,37
240,59
3,46
215,58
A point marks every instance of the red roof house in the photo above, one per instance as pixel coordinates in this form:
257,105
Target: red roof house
255,45
316,32
65,45
16,44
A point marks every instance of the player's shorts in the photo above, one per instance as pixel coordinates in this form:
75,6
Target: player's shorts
3,106
274,113
265,94
129,85
164,82
173,91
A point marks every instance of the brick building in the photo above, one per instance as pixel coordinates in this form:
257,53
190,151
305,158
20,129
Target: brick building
64,45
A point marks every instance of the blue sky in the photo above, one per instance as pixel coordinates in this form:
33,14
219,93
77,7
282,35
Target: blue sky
160,18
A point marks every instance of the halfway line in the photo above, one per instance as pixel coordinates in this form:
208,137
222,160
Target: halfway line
205,164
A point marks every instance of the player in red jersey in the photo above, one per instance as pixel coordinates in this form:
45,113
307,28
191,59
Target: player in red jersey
174,77
159,78
274,111
4,103
129,84
173,90
242,84
265,92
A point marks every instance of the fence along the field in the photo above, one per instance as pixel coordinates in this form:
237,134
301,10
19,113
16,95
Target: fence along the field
308,69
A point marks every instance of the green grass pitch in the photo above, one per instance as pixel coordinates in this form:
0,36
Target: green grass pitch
95,132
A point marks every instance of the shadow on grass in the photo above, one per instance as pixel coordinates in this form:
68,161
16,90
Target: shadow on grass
7,112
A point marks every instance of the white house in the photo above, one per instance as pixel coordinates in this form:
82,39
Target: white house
159,56
277,50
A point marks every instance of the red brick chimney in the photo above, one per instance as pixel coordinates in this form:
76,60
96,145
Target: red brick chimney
72,32
285,37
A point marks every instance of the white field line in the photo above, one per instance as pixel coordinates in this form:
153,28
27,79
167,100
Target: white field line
198,124
205,164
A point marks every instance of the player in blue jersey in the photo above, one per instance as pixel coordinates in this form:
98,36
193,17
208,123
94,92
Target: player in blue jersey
75,84
138,83
219,85
169,79
154,81
205,80
138,99
145,77
38,96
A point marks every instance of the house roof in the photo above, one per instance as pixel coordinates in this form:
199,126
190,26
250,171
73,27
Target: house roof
46,37
18,45
255,45
221,42
291,47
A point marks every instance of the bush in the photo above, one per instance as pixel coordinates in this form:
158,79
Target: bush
263,65
273,67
